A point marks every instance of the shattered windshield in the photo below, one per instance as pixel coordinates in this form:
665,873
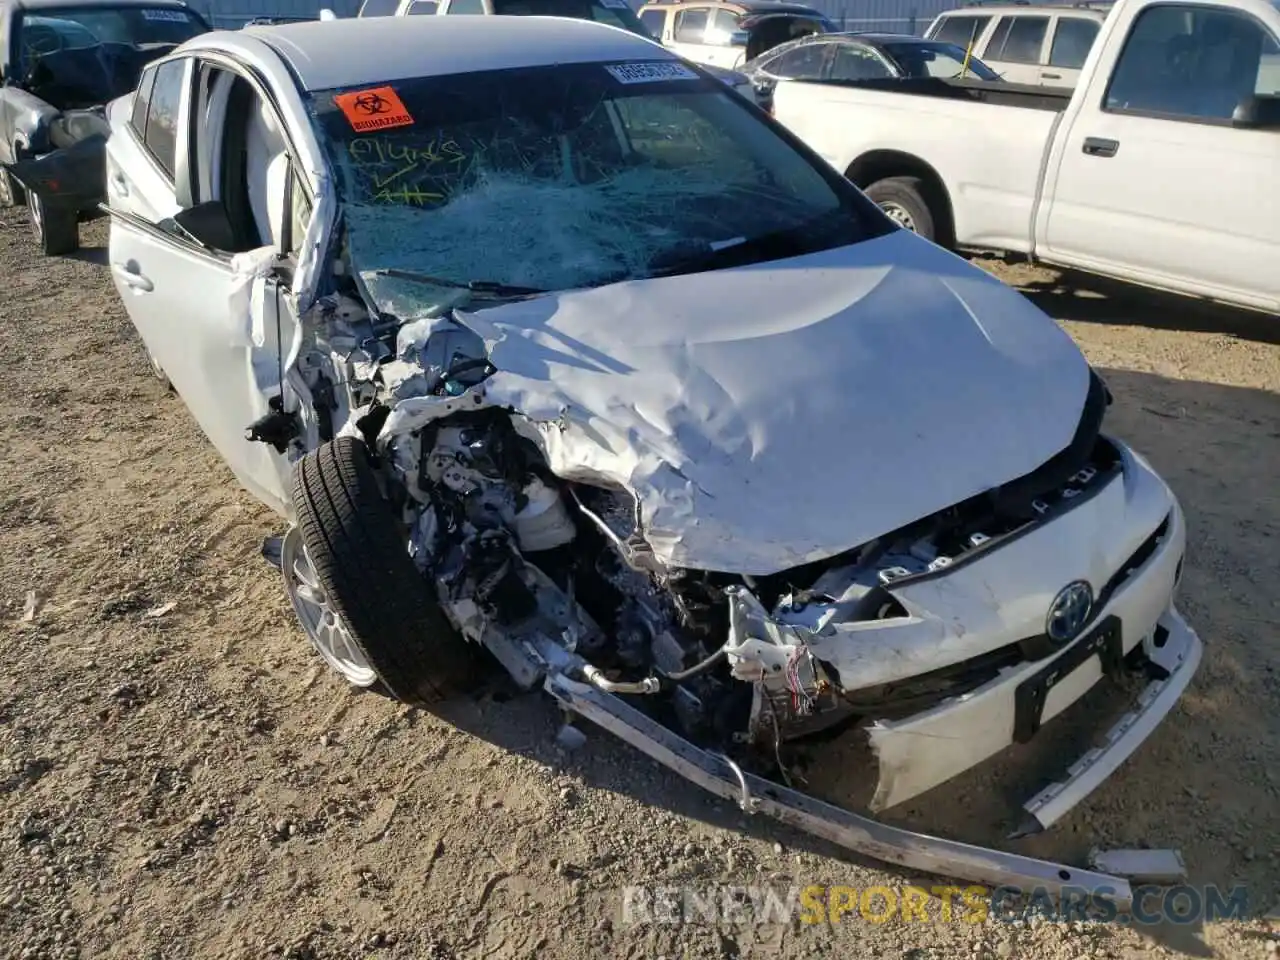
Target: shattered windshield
561,177
79,56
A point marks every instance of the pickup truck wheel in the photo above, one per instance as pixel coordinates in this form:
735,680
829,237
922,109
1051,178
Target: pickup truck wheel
902,199
57,232
364,605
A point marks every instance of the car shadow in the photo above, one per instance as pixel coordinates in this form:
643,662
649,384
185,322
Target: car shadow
1086,298
1200,784
95,255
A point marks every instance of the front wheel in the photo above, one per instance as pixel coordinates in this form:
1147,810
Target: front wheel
903,201
11,192
56,231
361,600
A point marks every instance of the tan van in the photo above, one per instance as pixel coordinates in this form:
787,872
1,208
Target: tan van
1044,45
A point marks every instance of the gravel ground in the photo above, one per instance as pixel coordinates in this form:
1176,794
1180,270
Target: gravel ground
179,777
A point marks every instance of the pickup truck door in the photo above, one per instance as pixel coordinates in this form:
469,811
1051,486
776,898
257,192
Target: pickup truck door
1148,180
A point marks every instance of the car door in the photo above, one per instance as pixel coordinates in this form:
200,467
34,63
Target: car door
850,60
725,39
689,34
1151,181
1070,40
181,294
655,21
1015,47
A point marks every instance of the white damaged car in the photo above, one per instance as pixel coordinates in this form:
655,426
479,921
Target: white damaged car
555,353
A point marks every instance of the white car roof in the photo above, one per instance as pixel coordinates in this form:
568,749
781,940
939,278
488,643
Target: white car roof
355,51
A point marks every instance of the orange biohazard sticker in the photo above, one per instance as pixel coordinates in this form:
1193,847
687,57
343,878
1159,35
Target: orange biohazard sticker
377,109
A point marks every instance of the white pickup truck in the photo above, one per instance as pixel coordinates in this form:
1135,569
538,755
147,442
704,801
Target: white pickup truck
1161,168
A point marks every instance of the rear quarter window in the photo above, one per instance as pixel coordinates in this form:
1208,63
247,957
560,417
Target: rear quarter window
654,20
1072,40
960,30
1018,39
691,26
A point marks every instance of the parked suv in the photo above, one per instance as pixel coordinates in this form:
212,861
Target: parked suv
1045,46
728,33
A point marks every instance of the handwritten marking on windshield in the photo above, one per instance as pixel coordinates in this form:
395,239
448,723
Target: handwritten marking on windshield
412,168
408,196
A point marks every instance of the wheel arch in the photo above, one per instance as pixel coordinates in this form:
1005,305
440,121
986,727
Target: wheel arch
877,165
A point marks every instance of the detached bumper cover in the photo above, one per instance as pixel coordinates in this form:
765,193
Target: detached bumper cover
1179,657
922,751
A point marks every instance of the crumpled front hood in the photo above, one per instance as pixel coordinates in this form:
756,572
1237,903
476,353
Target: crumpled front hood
780,413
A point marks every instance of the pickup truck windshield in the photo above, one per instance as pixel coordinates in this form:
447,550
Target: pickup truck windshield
79,56
568,176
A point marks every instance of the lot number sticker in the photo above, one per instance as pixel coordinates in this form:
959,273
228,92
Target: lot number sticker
654,71
165,16
376,109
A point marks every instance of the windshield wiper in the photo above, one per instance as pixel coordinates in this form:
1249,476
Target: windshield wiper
492,287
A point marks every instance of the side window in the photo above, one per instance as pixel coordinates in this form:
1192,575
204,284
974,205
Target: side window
420,8
800,63
961,31
724,24
1269,68
852,61
1023,42
654,21
691,26
1193,63
161,134
466,6
298,214
379,8
996,41
1071,42
141,99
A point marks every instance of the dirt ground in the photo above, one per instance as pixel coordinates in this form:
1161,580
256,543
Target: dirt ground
180,777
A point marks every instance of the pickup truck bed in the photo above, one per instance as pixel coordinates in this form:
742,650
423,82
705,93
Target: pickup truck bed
1159,168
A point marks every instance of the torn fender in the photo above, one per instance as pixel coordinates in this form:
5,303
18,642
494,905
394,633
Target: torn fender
73,178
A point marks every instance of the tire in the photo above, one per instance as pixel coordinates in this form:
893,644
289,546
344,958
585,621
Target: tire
11,192
358,552
157,371
57,232
903,200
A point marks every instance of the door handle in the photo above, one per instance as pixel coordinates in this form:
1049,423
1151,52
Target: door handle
1050,76
120,183
132,279
1100,147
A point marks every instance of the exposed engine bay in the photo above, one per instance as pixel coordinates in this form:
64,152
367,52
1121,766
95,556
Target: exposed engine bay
736,663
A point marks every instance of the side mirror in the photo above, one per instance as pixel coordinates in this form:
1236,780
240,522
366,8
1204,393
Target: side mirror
739,38
1258,112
